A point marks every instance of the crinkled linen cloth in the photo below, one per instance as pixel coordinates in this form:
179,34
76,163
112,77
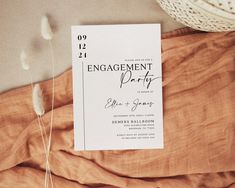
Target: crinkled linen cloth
199,127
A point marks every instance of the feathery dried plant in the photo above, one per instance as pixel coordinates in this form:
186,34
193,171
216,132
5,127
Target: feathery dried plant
47,34
38,106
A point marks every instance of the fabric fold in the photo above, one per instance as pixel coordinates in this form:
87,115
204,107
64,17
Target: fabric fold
199,127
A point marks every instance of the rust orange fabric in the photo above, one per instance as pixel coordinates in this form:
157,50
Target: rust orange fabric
199,127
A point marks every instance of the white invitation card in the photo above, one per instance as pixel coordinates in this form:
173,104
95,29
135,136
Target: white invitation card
117,87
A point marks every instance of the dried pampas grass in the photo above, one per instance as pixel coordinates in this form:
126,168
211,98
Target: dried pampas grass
47,34
24,60
38,100
46,31
38,106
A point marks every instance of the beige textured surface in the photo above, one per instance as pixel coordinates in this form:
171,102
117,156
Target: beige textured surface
20,29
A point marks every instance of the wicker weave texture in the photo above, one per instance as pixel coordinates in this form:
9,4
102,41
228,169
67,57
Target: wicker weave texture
205,15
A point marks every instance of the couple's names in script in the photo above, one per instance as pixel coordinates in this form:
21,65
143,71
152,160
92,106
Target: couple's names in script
133,105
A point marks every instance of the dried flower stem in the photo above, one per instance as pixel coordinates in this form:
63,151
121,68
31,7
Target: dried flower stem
44,146
44,141
39,109
52,100
48,171
53,96
47,34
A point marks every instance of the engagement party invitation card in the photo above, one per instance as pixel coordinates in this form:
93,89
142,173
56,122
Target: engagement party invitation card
117,87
